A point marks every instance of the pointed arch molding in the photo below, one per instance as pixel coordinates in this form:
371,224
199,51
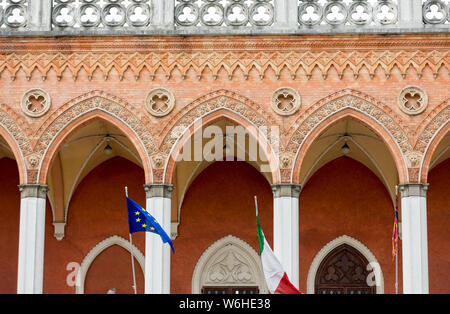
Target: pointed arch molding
14,135
99,248
96,104
434,131
213,106
228,261
362,107
330,246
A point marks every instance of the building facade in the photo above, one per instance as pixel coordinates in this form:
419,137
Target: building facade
333,113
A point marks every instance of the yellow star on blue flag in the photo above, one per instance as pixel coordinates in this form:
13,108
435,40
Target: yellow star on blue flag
140,220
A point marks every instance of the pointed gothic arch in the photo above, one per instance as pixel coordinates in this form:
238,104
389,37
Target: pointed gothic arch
431,137
350,106
375,275
207,110
97,250
82,110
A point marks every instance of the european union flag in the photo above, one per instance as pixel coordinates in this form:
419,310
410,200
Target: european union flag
140,220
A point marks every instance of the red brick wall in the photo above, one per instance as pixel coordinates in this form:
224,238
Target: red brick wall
9,225
112,269
219,202
97,211
438,216
346,198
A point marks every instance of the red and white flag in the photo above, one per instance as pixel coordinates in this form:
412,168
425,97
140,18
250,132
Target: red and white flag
276,278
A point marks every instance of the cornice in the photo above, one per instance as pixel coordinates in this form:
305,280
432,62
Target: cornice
37,56
225,43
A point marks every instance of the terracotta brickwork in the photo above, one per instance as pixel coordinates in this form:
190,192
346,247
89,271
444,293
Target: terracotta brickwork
366,73
357,77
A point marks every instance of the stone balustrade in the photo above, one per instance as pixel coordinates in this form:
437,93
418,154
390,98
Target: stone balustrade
221,17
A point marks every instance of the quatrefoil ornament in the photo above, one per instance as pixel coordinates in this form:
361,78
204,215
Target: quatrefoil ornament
35,102
160,102
285,101
412,100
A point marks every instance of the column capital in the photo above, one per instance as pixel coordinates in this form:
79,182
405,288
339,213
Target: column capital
33,190
158,190
413,189
286,190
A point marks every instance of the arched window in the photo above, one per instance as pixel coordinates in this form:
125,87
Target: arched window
97,250
343,271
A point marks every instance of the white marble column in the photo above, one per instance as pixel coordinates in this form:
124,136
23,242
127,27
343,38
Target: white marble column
30,271
414,238
157,253
286,228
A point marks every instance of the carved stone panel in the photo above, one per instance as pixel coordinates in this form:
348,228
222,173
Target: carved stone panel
224,13
229,262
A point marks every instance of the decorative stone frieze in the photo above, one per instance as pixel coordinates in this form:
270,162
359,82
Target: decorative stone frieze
228,60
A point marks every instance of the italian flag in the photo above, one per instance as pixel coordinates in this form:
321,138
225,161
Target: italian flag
276,278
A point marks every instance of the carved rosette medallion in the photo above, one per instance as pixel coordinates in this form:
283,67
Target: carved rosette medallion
160,102
412,100
285,101
35,102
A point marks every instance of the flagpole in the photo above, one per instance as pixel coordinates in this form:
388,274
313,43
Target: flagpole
131,252
396,254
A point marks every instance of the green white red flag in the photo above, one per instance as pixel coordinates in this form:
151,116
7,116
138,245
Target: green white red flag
276,278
